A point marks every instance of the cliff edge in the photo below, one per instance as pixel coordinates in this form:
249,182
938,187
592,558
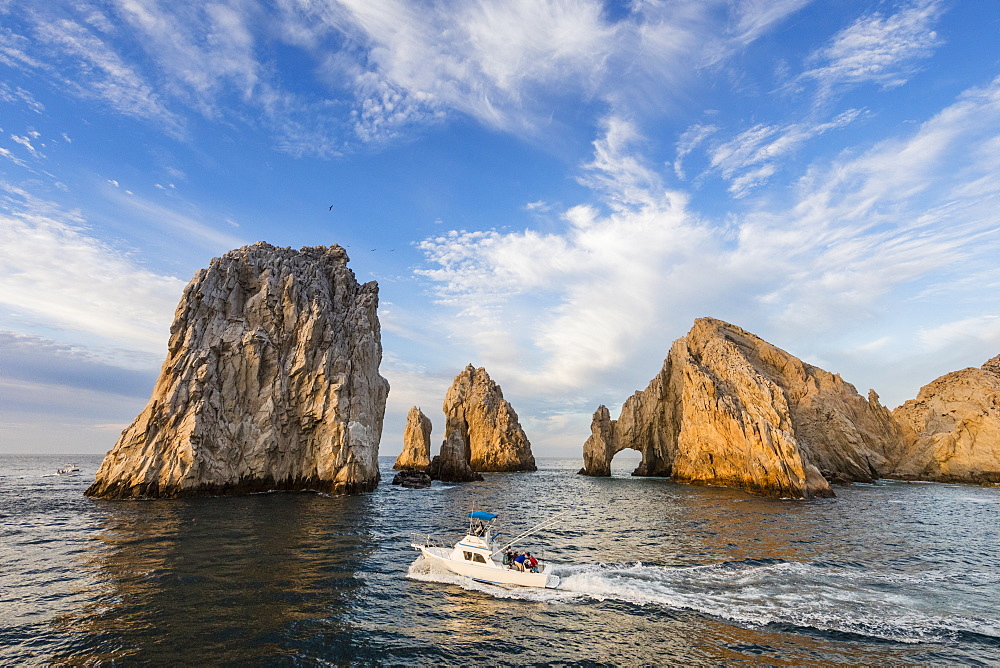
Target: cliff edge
952,428
271,381
730,409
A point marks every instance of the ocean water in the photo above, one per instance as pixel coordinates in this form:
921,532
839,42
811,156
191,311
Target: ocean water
652,573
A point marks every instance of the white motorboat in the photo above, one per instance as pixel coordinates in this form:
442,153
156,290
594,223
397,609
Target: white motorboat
480,555
66,470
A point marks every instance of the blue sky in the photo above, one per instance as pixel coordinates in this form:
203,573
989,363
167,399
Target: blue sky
552,189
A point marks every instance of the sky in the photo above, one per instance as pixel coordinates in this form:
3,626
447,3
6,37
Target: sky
551,189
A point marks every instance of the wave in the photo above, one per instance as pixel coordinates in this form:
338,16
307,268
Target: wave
826,597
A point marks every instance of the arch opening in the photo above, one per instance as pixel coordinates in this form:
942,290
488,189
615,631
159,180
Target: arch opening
625,462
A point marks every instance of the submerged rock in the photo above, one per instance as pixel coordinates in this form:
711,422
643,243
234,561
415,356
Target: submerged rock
730,409
271,382
416,454
952,428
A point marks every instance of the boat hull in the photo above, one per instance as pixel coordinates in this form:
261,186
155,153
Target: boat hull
489,573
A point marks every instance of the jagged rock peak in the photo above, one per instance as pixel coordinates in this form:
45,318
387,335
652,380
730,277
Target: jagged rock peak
730,409
271,382
952,428
992,365
416,454
477,414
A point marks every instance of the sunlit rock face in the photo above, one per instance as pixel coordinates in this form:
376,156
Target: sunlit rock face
481,430
416,454
271,382
952,428
476,413
730,409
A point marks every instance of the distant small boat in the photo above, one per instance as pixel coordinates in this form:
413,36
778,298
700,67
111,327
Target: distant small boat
480,555
67,470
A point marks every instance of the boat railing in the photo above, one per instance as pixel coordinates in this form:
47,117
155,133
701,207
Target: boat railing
425,539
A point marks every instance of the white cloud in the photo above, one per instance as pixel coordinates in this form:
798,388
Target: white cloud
877,49
26,143
749,160
202,48
601,285
752,18
54,271
748,20
89,66
864,234
173,223
864,226
689,141
479,58
13,158
982,328
19,95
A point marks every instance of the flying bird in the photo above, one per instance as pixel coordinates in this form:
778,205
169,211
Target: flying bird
331,208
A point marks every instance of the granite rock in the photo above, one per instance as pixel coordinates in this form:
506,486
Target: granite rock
730,409
477,416
952,428
416,454
271,381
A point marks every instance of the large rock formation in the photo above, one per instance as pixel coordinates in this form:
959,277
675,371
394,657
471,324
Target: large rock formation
271,382
481,430
477,414
952,428
416,454
730,409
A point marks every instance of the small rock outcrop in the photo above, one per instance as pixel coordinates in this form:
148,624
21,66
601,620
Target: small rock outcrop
412,479
416,454
952,428
730,409
271,381
477,415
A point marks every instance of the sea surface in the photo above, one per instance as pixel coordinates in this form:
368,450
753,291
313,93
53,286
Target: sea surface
652,573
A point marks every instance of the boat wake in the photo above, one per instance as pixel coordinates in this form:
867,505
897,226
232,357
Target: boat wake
830,598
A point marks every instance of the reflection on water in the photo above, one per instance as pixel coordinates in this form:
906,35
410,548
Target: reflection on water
652,573
223,577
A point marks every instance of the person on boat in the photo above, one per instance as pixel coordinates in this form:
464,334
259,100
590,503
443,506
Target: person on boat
508,558
519,562
531,562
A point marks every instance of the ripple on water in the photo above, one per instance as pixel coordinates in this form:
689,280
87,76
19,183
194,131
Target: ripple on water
649,569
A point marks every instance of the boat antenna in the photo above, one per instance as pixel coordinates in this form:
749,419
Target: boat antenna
538,527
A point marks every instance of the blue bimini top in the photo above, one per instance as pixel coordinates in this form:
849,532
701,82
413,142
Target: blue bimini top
480,515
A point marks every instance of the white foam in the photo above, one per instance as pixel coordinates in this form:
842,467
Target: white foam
827,598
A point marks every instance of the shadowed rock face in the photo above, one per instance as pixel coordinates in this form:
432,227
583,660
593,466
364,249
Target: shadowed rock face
952,428
271,382
730,409
416,454
452,465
